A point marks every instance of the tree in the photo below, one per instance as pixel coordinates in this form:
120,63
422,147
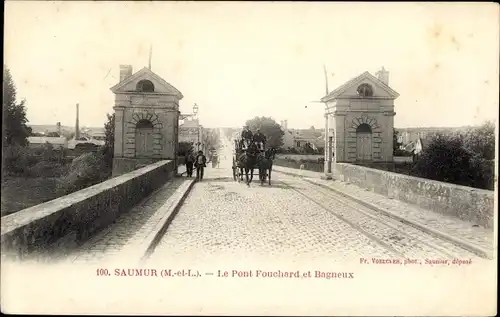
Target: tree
109,141
15,130
480,141
307,148
270,128
395,142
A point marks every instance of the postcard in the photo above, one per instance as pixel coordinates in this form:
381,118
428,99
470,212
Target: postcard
250,158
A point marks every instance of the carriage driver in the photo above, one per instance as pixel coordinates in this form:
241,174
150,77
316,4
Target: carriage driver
260,140
246,136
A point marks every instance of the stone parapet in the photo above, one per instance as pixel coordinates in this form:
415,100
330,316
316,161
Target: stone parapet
466,203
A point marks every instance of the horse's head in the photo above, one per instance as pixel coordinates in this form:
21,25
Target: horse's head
270,153
252,149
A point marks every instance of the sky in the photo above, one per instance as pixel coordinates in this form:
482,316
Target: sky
238,60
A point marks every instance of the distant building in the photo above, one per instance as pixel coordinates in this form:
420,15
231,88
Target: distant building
409,135
297,139
94,133
288,139
191,131
40,141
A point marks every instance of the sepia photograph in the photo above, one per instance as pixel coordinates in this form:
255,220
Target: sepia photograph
250,158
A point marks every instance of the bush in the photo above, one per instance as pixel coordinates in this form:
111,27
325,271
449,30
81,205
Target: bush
85,170
48,169
484,173
446,160
461,158
401,152
480,141
29,162
18,160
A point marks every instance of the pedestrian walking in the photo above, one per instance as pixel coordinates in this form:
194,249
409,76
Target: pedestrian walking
201,163
189,161
215,160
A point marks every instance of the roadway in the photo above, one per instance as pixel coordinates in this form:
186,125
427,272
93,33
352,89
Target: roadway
230,248
224,220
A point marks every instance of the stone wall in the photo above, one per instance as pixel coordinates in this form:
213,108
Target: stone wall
79,215
125,165
310,166
467,203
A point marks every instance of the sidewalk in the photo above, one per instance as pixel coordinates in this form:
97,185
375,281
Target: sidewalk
136,232
455,229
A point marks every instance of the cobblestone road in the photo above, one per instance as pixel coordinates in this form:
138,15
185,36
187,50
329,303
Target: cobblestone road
223,220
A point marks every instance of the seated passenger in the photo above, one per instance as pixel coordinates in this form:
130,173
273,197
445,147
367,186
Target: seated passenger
260,140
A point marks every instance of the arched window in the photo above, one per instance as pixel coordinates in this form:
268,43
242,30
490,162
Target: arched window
145,86
365,90
144,138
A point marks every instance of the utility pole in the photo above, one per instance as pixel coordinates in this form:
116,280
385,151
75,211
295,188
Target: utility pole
328,138
326,80
150,55
77,125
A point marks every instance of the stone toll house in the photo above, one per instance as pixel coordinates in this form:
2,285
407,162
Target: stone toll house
146,120
359,118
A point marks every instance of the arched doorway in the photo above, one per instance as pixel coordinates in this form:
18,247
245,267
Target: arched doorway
364,142
144,138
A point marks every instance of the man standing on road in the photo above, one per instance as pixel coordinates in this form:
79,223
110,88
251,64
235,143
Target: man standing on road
189,161
201,163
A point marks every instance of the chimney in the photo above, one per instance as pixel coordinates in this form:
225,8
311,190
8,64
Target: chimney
77,126
58,128
383,76
285,125
125,72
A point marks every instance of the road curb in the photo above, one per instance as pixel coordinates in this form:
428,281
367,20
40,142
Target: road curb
457,241
158,232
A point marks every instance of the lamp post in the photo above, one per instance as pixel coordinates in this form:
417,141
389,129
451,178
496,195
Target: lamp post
195,112
328,143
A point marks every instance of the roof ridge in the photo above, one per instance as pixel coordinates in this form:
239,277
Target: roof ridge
140,73
333,94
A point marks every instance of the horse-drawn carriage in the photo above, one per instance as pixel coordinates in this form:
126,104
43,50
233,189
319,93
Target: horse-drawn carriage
248,158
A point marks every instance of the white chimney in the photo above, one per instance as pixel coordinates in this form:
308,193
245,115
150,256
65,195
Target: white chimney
383,76
125,72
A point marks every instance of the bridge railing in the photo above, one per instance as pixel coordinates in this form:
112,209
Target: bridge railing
466,203
77,216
